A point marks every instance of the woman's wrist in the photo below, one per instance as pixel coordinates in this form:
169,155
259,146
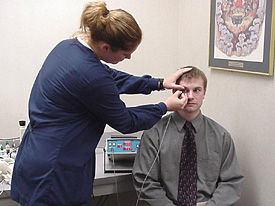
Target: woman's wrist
160,84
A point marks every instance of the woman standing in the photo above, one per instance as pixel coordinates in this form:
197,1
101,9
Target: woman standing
73,98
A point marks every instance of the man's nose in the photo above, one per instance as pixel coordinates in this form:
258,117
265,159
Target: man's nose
190,94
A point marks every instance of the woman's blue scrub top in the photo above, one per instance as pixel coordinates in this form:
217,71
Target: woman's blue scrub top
73,97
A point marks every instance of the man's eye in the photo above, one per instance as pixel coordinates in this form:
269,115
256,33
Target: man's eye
197,90
185,91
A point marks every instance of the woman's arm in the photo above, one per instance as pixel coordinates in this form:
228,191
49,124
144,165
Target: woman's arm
129,84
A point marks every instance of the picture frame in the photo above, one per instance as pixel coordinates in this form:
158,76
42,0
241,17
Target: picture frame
242,36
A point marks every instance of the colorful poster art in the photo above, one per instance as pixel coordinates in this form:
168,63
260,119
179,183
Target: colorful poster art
239,28
242,35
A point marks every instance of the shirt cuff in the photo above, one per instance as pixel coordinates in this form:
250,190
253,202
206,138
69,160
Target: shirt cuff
163,107
153,84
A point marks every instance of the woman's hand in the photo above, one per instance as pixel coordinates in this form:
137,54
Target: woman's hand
170,82
177,101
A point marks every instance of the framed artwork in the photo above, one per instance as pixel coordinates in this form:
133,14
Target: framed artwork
242,36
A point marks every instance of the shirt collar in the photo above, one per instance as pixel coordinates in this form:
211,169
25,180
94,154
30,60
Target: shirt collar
180,121
83,42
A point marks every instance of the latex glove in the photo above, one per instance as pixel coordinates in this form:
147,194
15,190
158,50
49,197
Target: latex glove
4,167
7,178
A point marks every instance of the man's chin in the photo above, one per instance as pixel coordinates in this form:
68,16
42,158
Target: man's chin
189,109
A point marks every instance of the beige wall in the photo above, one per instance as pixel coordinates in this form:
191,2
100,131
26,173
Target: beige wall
31,28
175,34
242,103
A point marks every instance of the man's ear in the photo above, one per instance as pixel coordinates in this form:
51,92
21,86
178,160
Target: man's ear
204,94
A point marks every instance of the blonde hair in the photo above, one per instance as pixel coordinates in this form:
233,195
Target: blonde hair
116,27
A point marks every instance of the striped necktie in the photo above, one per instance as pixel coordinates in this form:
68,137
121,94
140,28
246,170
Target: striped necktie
187,188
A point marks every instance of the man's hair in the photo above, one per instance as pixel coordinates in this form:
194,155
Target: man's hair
194,73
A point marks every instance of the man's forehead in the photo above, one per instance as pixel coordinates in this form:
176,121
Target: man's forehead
194,81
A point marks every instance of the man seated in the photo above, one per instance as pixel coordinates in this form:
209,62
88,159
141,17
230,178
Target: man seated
187,159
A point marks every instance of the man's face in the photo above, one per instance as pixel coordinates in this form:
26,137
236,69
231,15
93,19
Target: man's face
195,92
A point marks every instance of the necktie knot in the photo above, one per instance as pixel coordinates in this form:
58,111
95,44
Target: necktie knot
188,126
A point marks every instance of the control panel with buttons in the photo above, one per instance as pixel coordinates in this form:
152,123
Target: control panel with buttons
122,147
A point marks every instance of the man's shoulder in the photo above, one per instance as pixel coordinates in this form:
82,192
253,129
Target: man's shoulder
163,121
160,125
214,124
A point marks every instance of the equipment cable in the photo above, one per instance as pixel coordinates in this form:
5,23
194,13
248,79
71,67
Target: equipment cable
156,157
